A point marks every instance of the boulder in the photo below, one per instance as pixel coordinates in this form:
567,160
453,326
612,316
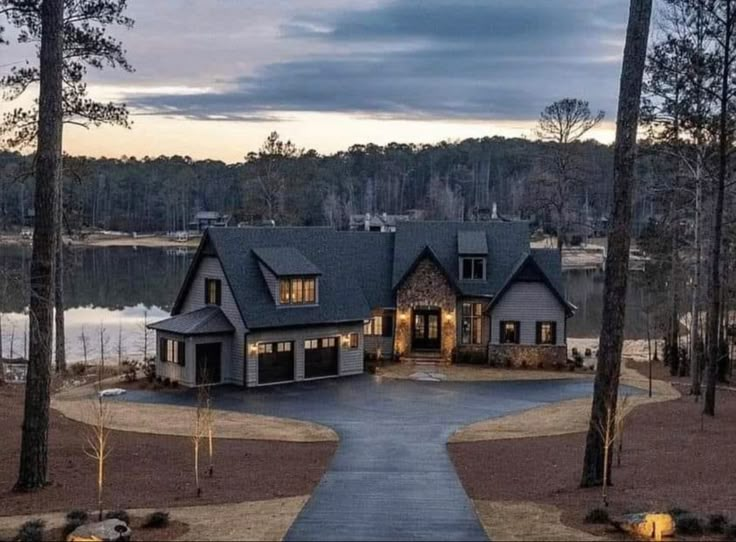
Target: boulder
652,526
110,530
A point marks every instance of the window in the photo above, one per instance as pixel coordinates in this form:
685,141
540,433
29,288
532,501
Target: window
374,326
297,291
546,332
473,268
329,342
472,323
509,333
354,340
381,326
172,351
311,344
212,291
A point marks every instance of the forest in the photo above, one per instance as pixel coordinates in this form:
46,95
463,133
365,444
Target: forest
292,186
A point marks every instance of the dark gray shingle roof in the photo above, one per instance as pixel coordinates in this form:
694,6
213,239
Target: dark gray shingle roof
206,321
472,242
286,261
505,241
351,266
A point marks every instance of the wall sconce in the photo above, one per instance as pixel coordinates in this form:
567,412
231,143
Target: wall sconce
346,340
254,348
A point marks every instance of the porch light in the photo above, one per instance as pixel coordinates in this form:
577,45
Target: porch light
254,348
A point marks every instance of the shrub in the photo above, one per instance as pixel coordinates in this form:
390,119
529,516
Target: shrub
688,524
77,515
730,531
156,520
130,371
167,382
149,370
717,523
122,515
78,369
31,531
70,526
597,515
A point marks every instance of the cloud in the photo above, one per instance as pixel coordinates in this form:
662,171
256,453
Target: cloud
451,59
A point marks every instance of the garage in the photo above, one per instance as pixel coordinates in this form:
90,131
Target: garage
275,362
320,357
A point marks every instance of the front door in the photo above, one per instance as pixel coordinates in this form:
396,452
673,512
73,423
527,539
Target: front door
425,330
208,363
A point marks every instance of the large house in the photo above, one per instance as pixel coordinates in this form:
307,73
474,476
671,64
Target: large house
265,306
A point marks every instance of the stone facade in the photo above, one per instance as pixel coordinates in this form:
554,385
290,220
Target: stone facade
521,356
426,287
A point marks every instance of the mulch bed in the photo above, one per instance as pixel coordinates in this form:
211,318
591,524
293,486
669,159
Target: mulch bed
151,471
668,462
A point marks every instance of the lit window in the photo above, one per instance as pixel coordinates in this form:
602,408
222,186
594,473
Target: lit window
297,291
472,323
374,326
311,344
328,343
354,340
473,268
509,332
546,332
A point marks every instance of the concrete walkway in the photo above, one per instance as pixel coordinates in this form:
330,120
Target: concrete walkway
391,478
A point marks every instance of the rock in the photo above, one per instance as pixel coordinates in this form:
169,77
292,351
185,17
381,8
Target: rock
648,525
110,530
111,392
423,377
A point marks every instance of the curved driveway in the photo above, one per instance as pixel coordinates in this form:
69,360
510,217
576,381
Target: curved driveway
391,477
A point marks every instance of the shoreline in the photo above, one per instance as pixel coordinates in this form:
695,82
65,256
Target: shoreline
101,240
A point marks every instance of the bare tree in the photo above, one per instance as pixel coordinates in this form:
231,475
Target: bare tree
104,339
60,336
120,347
199,428
98,439
597,462
84,341
562,124
146,336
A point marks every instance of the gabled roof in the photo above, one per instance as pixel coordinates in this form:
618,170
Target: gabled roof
353,270
472,243
538,265
429,254
206,321
286,261
505,241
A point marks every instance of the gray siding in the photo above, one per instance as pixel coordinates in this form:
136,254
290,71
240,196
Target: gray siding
187,375
386,344
209,267
350,359
528,303
271,282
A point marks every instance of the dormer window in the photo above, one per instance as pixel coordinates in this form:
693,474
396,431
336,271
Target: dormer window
472,268
298,291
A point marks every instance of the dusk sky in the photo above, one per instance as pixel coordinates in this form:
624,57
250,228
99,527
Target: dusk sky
214,77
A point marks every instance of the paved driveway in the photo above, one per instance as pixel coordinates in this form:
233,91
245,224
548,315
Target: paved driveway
391,478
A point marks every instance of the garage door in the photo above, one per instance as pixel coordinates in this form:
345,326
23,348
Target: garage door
275,362
320,357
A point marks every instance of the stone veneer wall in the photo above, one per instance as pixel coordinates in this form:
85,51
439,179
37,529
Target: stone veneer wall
521,356
426,287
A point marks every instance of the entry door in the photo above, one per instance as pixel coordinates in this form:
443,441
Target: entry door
426,329
209,363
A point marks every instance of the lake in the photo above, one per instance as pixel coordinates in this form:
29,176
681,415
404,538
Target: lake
121,288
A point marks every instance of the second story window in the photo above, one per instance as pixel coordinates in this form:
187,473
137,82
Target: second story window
212,292
298,291
473,268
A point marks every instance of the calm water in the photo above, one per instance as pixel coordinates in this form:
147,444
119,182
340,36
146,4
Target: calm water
119,288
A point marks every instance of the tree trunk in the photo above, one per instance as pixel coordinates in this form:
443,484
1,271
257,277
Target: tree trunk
724,144
60,351
619,240
695,368
33,469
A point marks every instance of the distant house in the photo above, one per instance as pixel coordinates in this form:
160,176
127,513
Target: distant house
262,306
380,222
209,219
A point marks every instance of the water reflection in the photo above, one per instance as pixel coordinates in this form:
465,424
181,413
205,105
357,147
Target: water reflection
119,287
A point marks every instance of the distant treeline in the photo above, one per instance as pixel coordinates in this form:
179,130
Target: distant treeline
449,180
